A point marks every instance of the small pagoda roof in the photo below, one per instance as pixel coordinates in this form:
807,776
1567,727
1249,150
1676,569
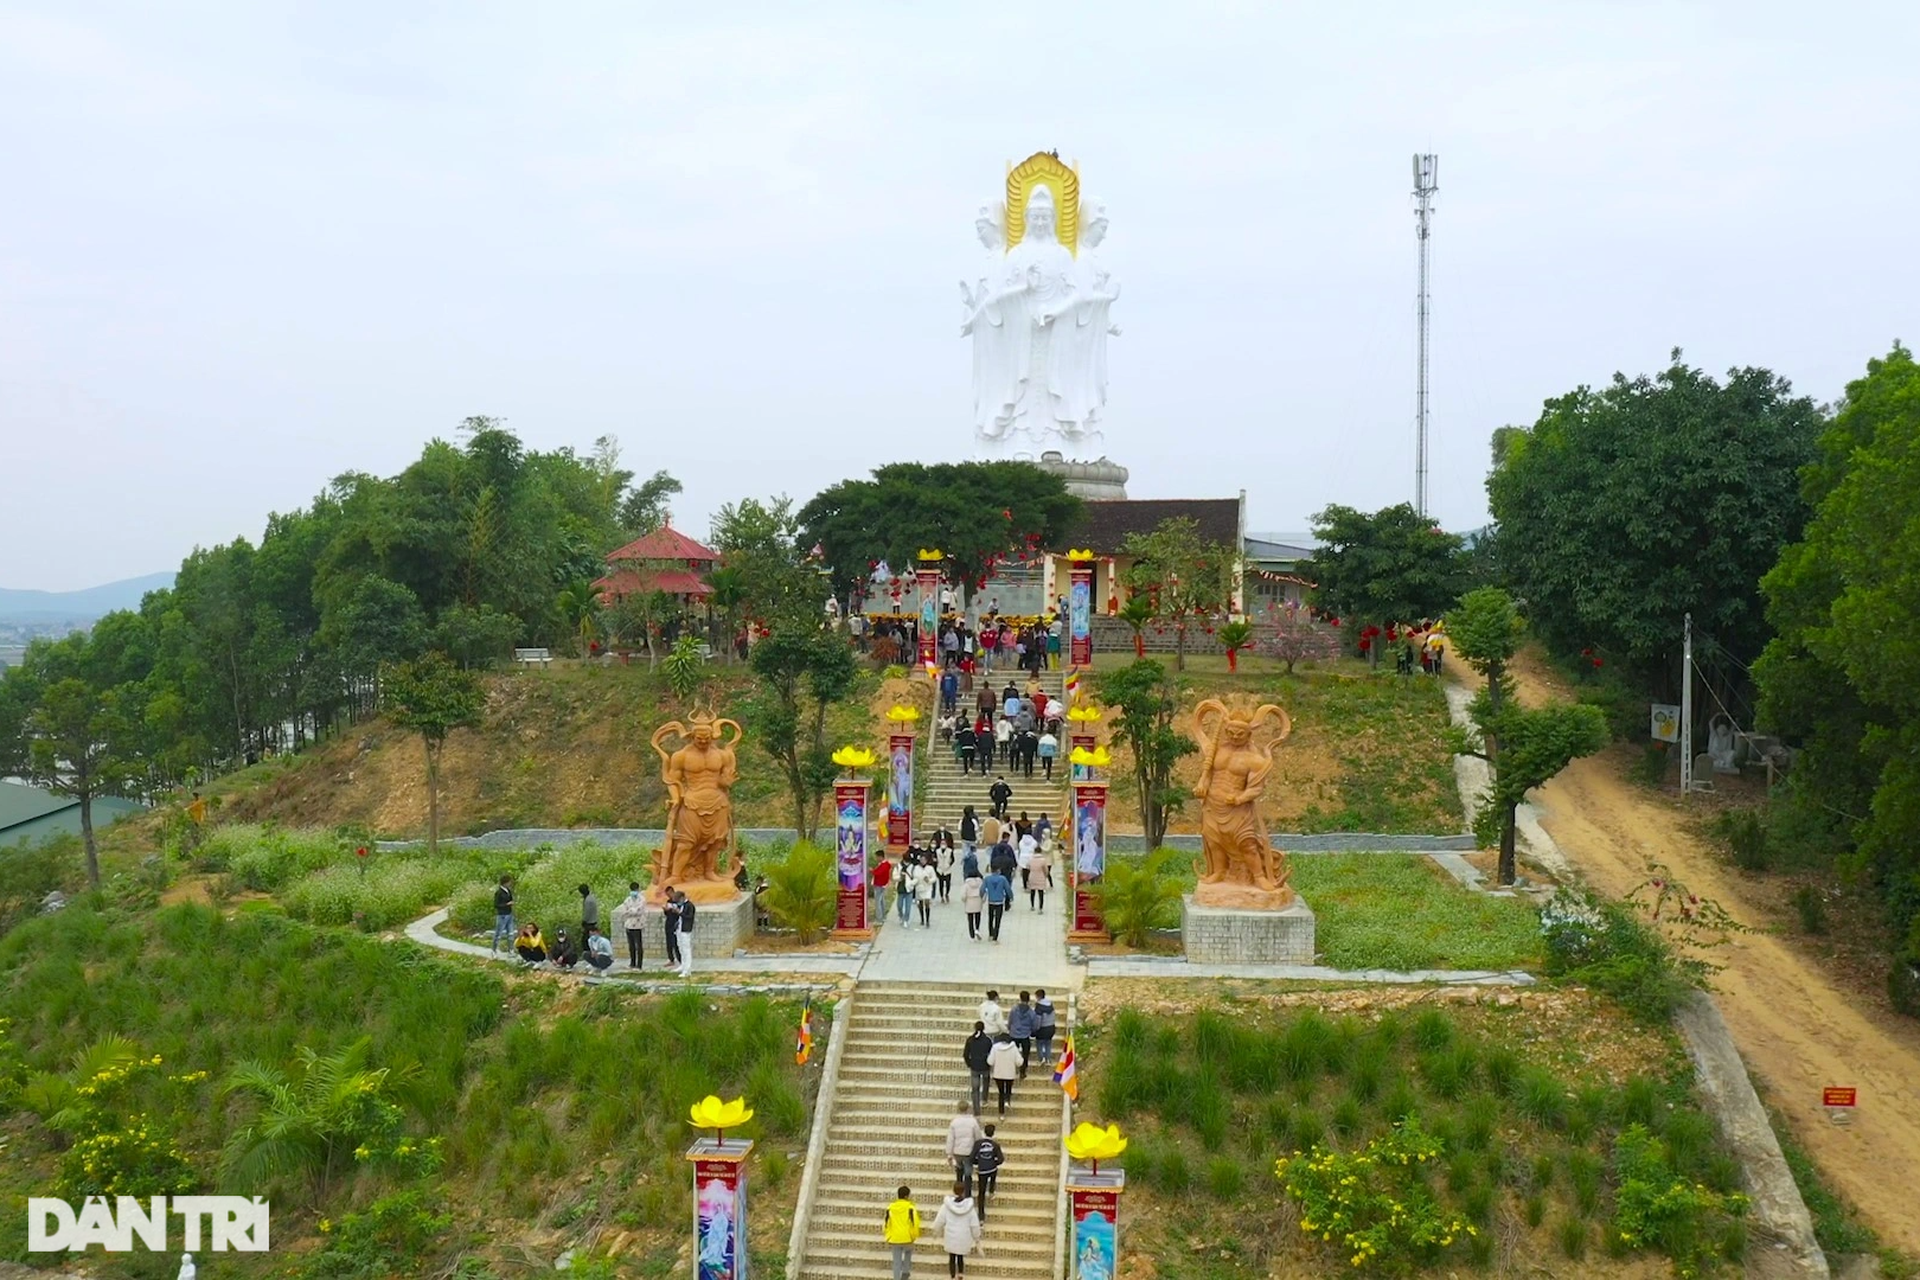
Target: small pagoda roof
664,543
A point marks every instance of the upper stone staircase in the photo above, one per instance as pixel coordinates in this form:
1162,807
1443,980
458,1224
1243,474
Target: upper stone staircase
949,791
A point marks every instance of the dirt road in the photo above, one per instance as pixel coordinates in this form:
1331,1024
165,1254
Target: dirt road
1797,1029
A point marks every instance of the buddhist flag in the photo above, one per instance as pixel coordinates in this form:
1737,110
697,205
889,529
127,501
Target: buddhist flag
1072,686
1064,1076
803,1047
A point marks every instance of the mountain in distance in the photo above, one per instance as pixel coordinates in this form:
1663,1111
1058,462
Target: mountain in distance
78,606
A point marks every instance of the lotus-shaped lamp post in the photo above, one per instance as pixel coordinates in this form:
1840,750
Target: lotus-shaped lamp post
1083,713
711,1113
853,758
901,714
1098,758
1093,1144
1080,555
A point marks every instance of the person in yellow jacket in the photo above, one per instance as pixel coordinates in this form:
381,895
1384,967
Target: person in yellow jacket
903,1228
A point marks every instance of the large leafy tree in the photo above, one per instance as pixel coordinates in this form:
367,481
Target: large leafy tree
803,669
1622,509
1393,566
1185,579
979,513
1147,697
765,573
1842,675
433,697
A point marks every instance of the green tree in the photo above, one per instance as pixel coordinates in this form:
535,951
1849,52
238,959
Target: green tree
1138,897
1623,509
803,892
579,604
1138,613
685,668
1842,676
433,697
475,638
802,670
729,587
1188,581
313,1123
978,513
1147,697
1535,743
759,542
1484,628
1390,567
644,509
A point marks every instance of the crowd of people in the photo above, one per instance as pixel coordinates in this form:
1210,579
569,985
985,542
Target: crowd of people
990,856
993,642
1005,1044
1020,730
592,946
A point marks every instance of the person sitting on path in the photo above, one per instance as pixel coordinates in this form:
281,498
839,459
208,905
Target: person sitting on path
530,946
962,1133
987,1159
902,1228
1003,1060
599,953
974,1053
563,955
998,891
1040,875
1020,1027
959,1228
1043,1025
973,898
999,797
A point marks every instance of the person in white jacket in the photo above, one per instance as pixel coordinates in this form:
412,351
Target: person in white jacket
959,1228
1003,1063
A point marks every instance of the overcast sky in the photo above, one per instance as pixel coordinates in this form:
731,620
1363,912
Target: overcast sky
247,246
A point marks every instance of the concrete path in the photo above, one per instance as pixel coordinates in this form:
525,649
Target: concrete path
1175,967
1032,950
425,932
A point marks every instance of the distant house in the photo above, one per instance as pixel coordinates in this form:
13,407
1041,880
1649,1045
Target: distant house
664,560
32,814
1277,571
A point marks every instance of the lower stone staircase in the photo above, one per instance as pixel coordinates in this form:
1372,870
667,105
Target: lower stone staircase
900,1075
949,791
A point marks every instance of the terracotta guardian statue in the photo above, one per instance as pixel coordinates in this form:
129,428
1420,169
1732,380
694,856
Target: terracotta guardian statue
700,857
1239,865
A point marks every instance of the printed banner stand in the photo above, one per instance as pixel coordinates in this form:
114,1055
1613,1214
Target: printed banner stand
900,790
1093,1202
928,577
850,846
1080,609
1089,860
719,1207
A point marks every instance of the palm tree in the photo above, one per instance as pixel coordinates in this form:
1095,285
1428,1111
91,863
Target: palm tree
579,605
311,1123
1138,897
802,891
1137,612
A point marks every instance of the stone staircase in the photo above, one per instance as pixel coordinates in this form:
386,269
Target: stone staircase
949,791
899,1077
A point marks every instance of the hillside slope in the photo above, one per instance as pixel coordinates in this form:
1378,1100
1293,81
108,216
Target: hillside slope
566,746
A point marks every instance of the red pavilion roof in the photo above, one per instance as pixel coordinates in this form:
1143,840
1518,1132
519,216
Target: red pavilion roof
664,543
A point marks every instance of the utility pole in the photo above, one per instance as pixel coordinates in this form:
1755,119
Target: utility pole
1686,709
1426,181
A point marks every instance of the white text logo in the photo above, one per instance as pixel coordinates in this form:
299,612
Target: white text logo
227,1222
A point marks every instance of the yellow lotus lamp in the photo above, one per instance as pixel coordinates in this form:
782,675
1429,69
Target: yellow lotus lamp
1093,1144
1083,714
931,556
711,1113
1098,758
900,713
852,757
1080,555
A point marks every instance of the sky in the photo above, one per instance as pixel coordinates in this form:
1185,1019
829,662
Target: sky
247,247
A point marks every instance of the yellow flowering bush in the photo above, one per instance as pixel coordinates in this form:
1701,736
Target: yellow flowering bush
1656,1207
1374,1203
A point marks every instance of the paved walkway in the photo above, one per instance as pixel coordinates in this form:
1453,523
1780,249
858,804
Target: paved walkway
1175,967
425,931
1032,950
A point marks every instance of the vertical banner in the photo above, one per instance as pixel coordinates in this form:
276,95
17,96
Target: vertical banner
720,1208
1081,772
928,575
850,844
1089,858
1093,1203
1080,614
899,790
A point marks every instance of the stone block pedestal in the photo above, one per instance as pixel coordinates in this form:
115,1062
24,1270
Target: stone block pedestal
719,929
1235,935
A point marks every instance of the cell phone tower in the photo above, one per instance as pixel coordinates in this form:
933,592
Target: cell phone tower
1426,181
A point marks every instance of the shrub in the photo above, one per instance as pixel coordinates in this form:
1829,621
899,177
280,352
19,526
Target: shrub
802,891
265,858
1745,835
545,891
1172,1174
1573,1238
1606,946
1224,1177
1655,1206
389,891
1138,897
1812,909
1374,1203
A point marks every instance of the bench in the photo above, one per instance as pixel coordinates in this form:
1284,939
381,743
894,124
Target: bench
528,657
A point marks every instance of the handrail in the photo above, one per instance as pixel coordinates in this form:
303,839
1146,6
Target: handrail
817,1139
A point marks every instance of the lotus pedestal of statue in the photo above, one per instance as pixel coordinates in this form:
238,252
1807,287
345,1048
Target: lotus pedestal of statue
699,858
1242,910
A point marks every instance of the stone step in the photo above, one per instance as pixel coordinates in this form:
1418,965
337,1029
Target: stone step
849,1187
1012,1253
